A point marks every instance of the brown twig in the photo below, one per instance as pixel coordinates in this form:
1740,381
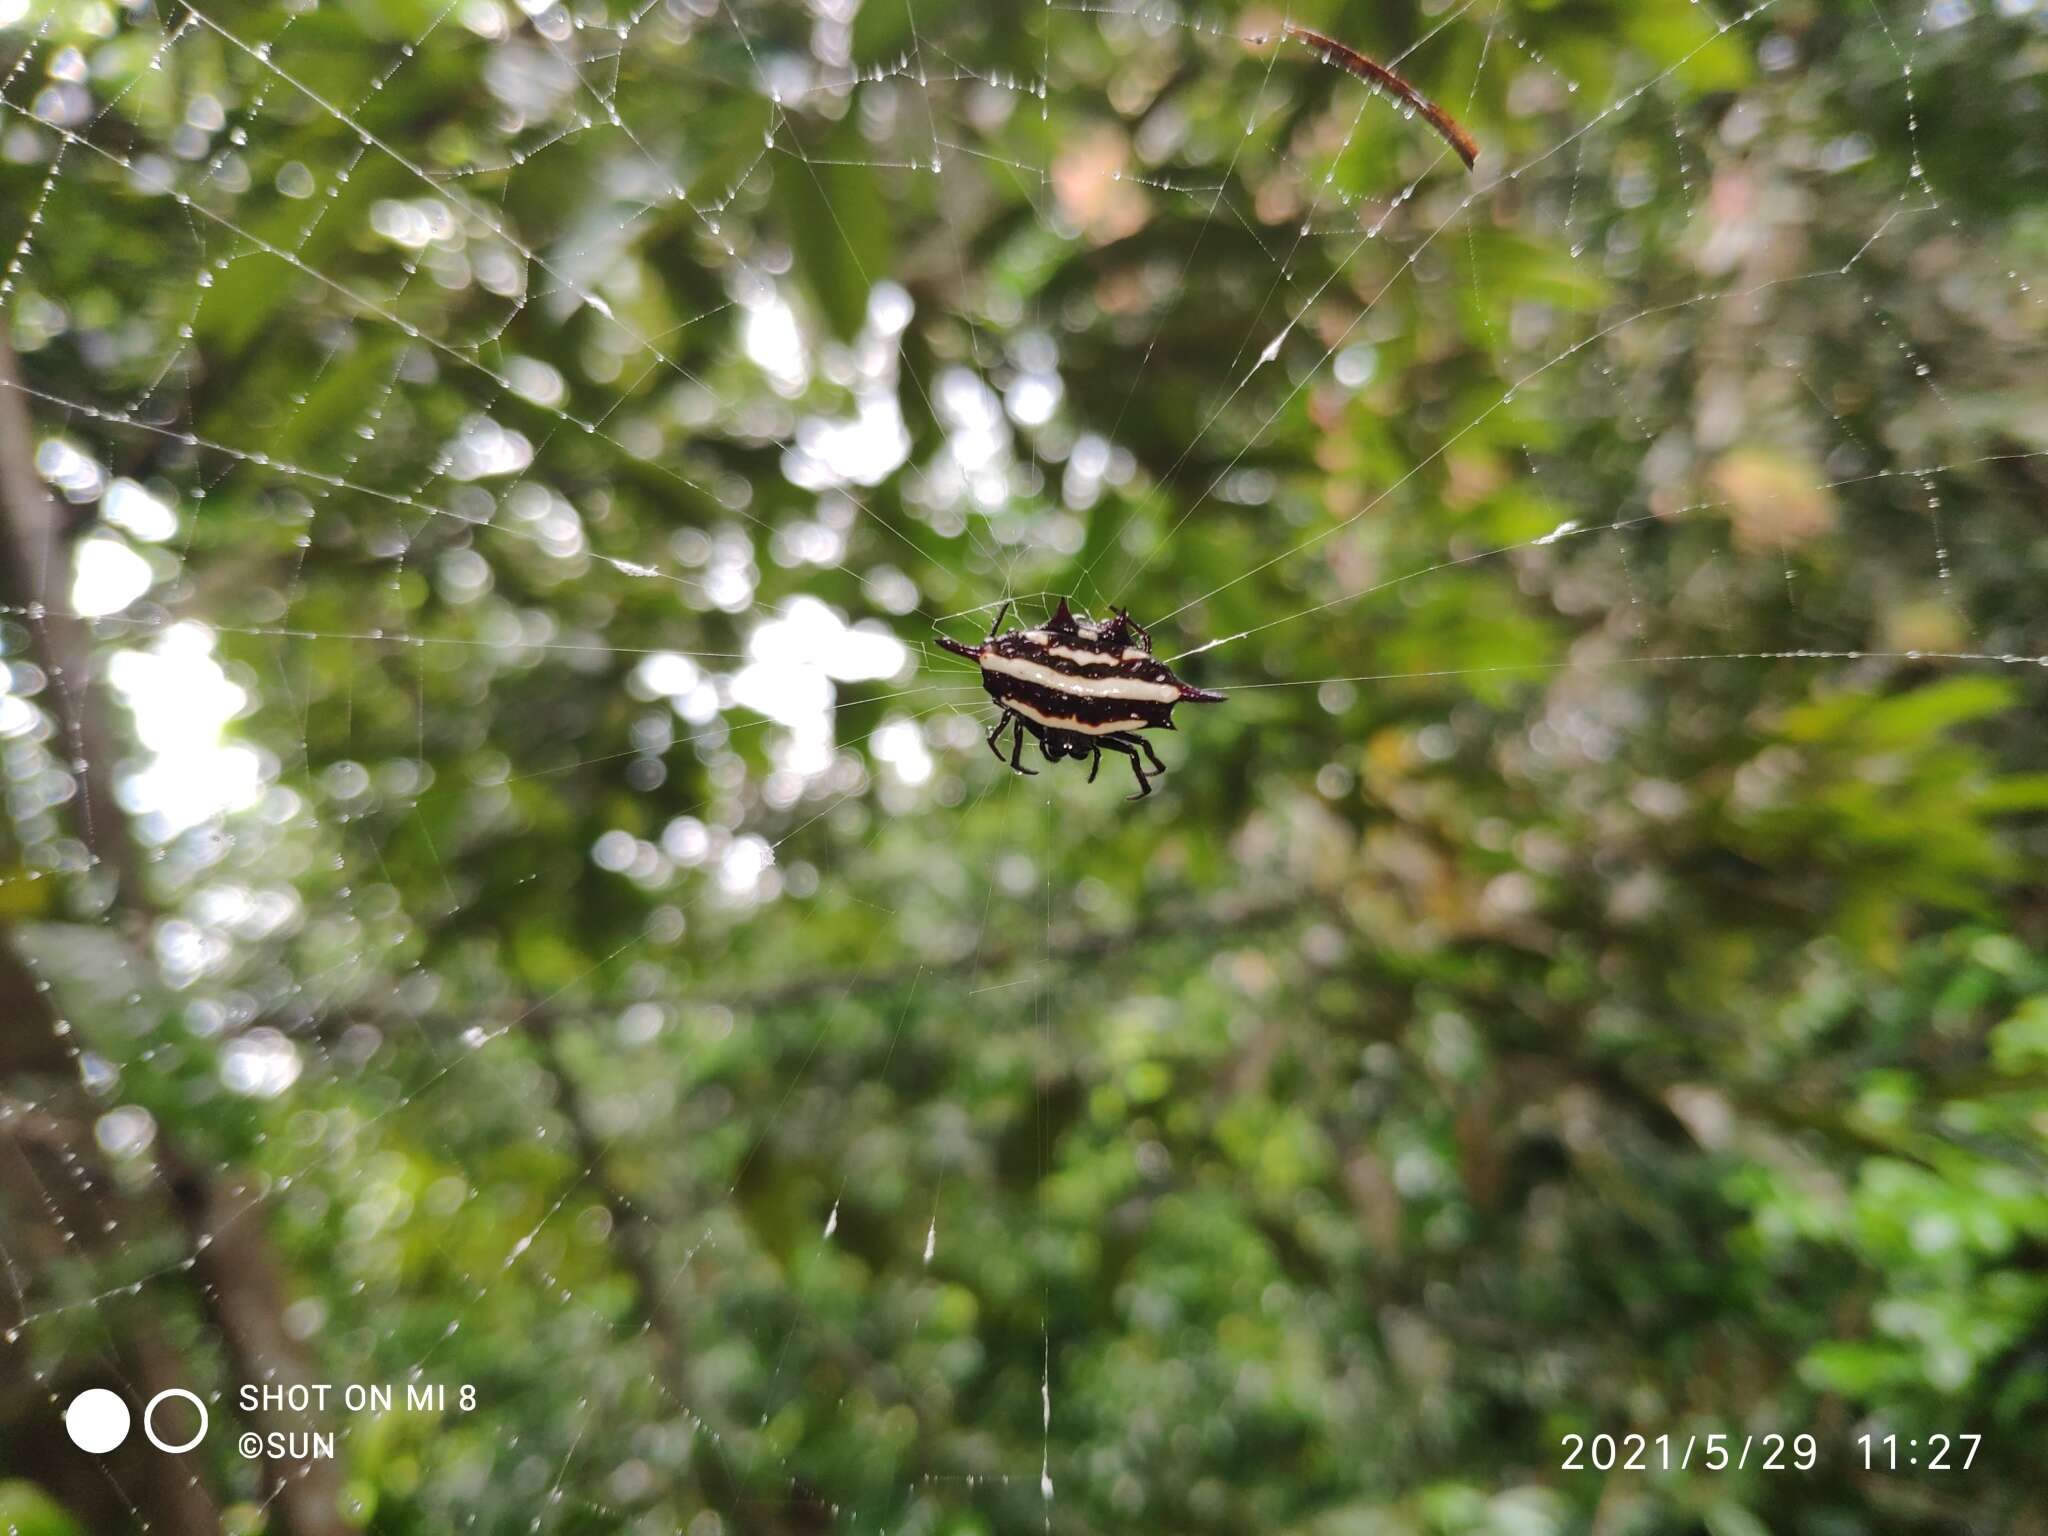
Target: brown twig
1352,62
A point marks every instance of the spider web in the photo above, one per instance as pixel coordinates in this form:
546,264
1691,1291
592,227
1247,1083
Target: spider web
602,393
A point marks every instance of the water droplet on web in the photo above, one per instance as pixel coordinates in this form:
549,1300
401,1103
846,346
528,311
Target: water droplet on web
931,1240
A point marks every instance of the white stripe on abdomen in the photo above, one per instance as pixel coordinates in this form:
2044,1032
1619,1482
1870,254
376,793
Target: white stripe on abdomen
1061,723
1135,689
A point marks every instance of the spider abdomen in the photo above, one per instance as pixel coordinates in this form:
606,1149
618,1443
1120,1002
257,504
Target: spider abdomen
1092,698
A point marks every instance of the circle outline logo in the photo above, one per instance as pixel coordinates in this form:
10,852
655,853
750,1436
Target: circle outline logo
149,1416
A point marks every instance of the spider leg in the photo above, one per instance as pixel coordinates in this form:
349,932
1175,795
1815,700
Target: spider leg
1017,748
1119,742
1146,746
1001,614
1094,764
995,731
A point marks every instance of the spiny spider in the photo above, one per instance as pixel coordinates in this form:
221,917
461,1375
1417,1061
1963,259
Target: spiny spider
1078,686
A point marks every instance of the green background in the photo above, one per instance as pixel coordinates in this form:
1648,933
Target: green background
1540,1002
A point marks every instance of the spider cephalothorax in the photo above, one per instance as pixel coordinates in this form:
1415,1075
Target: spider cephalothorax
1078,686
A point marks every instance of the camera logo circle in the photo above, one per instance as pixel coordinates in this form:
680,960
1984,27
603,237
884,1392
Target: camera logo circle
96,1421
149,1415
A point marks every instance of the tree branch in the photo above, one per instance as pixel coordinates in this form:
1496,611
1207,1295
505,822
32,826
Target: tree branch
61,1209
1077,944
629,1228
239,1282
35,576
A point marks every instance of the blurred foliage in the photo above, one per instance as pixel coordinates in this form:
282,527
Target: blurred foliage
1589,978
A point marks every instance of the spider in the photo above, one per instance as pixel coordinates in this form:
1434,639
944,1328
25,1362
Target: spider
1077,686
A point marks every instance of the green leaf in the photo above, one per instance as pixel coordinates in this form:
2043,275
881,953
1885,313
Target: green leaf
836,219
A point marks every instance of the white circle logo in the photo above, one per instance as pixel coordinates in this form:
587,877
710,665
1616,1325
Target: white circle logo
149,1414
96,1421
